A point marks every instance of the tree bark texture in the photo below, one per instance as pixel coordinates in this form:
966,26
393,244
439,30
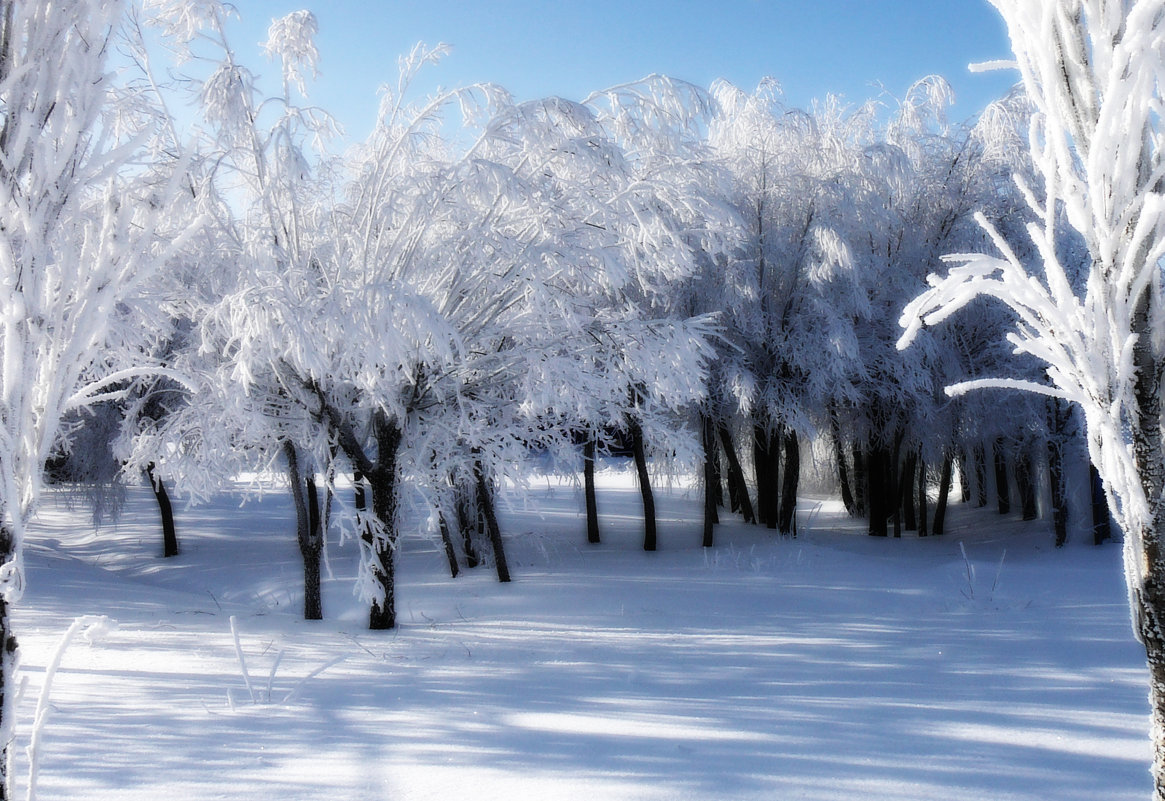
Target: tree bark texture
1025,480
979,458
861,482
486,505
877,478
1002,488
1059,415
964,476
1149,598
711,479
308,534
922,532
766,457
382,483
787,523
944,490
469,522
8,661
738,494
909,512
447,544
650,540
589,493
166,512
1101,517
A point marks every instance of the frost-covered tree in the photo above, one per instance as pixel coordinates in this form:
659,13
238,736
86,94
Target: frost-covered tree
1093,70
78,241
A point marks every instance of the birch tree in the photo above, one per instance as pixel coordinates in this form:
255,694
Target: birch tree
1093,70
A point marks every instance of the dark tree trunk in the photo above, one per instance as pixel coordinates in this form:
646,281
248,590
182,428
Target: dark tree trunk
485,503
1059,502
8,662
979,455
922,532
964,476
909,468
861,482
766,462
1025,482
649,534
589,488
308,534
1149,453
791,479
447,544
1002,488
1058,416
896,484
359,493
717,470
737,488
847,498
877,467
944,489
468,522
711,478
1101,519
382,482
166,510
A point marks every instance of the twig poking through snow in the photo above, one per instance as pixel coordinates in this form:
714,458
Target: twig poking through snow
90,626
970,572
242,660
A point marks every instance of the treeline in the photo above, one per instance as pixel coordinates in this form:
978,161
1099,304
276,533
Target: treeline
708,274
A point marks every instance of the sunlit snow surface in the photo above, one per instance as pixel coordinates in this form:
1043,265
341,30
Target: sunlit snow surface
832,666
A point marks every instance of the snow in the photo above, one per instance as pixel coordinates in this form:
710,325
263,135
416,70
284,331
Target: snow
828,666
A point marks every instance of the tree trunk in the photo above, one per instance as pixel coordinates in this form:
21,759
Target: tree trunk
711,478
717,471
589,488
1002,488
637,449
847,495
877,466
964,476
861,481
847,498
1149,598
1101,517
896,484
921,497
359,493
909,517
468,522
1058,416
1025,481
944,489
166,510
382,482
979,456
447,544
308,536
8,662
766,463
486,504
737,488
790,480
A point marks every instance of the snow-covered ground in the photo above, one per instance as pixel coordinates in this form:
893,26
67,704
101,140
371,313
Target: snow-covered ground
831,666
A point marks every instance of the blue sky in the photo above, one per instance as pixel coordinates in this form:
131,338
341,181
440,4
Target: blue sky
812,47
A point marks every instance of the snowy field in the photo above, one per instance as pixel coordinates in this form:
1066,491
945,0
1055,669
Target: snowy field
831,666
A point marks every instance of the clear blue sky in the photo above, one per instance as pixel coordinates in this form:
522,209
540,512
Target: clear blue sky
812,47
